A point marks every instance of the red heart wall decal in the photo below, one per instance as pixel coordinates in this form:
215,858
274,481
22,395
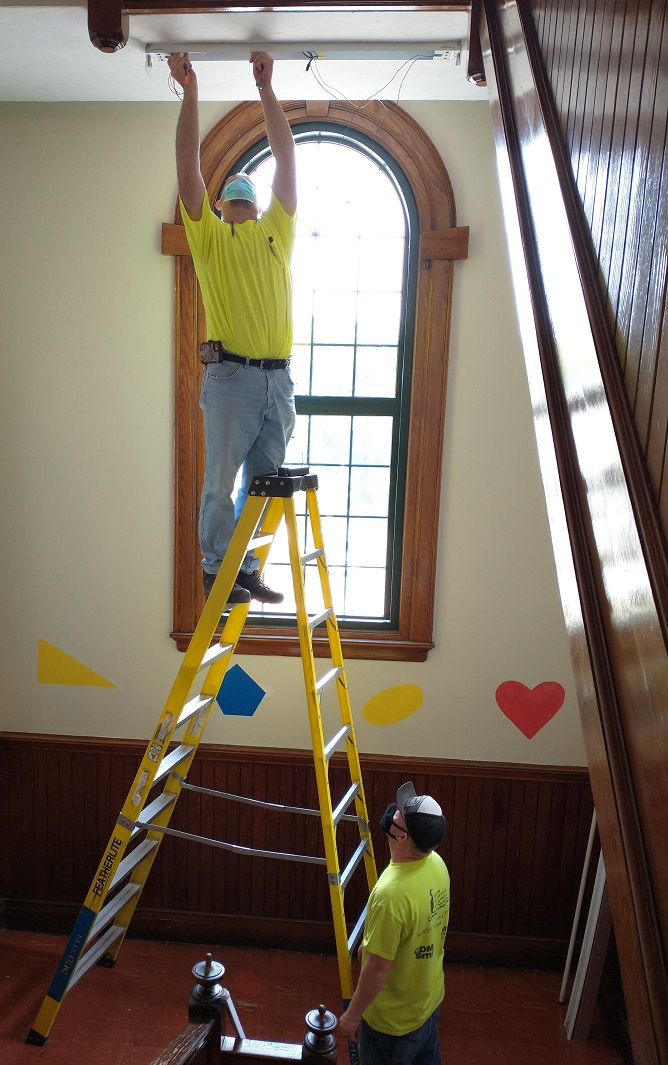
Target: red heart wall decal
530,708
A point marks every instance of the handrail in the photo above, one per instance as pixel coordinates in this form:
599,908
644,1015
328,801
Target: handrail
187,1044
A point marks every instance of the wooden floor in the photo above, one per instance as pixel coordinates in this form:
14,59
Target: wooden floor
124,1015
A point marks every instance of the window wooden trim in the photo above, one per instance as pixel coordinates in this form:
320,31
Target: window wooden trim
441,242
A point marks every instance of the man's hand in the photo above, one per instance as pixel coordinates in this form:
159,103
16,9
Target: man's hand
181,70
263,67
348,1026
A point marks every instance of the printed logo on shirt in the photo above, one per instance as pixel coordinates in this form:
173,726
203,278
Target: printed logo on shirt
424,953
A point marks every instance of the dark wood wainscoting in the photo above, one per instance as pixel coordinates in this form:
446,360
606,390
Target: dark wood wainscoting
515,846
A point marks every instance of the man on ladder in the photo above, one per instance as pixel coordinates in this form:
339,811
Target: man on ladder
242,261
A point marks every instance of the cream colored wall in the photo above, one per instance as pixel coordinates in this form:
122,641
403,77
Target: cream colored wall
86,431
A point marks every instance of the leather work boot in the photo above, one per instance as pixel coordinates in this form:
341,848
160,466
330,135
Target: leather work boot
236,596
253,583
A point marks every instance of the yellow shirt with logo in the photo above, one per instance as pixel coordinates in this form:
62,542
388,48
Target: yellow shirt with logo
406,922
244,274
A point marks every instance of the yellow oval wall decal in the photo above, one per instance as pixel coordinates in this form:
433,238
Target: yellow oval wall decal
393,704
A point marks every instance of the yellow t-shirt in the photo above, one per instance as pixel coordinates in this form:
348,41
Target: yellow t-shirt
244,275
406,922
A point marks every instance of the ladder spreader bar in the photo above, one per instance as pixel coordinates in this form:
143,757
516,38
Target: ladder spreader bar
327,678
340,810
356,932
110,909
251,802
336,741
234,847
132,860
354,862
95,953
317,619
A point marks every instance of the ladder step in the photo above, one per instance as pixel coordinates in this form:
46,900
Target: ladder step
317,619
327,678
152,810
131,861
216,651
356,932
192,708
260,541
353,863
174,758
110,909
340,810
336,741
92,955
312,555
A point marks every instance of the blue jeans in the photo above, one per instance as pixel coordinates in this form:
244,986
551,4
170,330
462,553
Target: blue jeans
415,1048
249,417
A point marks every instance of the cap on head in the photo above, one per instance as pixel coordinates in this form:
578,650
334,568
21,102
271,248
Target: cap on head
423,816
240,188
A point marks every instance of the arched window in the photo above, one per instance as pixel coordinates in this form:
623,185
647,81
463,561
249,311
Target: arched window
373,277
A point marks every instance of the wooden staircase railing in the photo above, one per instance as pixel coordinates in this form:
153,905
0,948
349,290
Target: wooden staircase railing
203,1040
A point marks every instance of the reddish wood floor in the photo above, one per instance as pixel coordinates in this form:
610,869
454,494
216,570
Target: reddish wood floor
124,1015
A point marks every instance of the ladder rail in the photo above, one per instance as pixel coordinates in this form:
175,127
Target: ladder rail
342,692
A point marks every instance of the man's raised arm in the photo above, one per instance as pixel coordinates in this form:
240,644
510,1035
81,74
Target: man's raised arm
188,173
279,134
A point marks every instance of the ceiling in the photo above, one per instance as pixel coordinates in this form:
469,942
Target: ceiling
47,55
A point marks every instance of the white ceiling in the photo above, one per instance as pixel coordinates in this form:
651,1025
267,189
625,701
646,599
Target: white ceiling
46,55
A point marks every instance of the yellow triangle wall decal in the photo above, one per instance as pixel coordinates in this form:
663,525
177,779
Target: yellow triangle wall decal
56,667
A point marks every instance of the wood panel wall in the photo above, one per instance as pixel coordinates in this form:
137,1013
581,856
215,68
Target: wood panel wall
515,846
607,66
575,131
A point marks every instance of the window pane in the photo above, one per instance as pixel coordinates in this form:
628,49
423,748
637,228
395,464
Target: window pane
329,439
332,371
378,317
335,537
372,441
334,319
369,491
302,316
381,264
367,541
333,483
376,372
336,263
365,593
296,453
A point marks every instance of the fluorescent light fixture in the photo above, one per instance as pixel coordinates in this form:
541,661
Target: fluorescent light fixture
220,53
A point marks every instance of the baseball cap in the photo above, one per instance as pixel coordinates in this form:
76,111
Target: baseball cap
423,816
240,188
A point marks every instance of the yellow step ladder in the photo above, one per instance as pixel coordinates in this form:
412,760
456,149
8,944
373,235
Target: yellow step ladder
142,824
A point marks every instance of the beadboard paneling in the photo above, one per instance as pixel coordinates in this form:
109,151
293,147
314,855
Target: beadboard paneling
515,845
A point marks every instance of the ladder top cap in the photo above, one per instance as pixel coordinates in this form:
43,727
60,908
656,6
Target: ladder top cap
283,484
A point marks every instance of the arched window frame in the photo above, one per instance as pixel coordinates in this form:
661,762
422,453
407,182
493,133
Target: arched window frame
440,243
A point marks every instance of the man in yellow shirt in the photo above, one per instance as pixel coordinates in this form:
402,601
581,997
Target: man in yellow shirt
242,261
400,989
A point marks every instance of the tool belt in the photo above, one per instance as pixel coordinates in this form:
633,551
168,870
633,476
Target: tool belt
213,351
